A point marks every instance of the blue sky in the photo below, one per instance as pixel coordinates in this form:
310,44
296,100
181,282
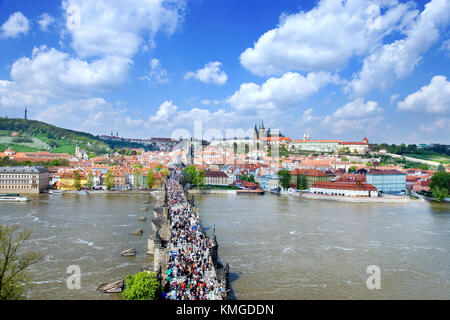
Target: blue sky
148,68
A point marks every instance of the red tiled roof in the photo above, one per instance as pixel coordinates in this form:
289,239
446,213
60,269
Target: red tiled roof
308,172
316,141
384,172
215,174
360,143
344,186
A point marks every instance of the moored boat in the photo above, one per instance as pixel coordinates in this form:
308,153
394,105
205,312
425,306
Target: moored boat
13,197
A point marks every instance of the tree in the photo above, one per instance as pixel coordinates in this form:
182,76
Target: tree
200,179
90,181
142,286
243,177
441,168
158,167
440,180
439,193
285,178
189,175
352,169
251,178
14,263
137,178
235,147
150,179
76,180
109,180
301,182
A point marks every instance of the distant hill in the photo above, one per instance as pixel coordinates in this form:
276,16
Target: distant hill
31,135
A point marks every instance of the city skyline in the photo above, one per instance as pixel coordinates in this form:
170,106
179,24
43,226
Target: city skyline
335,70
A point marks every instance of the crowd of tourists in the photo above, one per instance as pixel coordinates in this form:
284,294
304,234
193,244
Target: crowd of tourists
189,275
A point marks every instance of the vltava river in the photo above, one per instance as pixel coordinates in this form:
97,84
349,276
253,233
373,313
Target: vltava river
278,247
87,231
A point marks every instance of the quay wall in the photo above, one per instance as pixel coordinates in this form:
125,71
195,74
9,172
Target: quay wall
217,191
358,200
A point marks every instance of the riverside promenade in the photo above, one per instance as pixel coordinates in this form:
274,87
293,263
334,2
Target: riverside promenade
184,257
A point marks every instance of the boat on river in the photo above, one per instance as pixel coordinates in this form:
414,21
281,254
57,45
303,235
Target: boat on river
14,197
56,192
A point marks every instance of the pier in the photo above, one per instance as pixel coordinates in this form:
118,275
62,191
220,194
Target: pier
185,258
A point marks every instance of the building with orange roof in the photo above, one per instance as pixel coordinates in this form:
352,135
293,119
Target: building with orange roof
355,189
306,177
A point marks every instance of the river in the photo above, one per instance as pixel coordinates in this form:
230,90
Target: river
278,247
87,231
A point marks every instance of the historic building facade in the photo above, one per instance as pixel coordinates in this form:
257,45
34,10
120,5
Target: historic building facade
23,179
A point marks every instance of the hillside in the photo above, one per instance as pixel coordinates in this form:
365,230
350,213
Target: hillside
31,135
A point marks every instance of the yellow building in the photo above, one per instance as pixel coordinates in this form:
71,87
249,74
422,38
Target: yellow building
67,181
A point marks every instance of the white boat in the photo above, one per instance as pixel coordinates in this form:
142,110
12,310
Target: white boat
13,198
293,192
83,192
56,192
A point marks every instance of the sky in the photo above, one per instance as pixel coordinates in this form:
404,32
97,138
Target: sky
163,68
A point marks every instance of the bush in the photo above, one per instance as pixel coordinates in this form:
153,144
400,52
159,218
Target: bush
142,286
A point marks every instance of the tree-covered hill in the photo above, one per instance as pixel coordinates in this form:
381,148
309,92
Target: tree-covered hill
31,135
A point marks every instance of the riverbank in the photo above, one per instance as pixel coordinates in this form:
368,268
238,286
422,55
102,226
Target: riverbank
111,191
210,191
387,199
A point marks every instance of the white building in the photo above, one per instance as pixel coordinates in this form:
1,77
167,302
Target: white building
344,189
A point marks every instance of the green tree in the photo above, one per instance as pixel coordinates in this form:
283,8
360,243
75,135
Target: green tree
251,178
90,181
352,169
439,193
440,180
235,147
150,179
301,182
285,178
109,180
137,178
243,177
142,286
440,168
200,179
76,180
189,175
158,167
14,263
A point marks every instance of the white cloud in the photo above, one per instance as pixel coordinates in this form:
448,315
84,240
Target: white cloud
339,126
157,73
352,117
357,109
16,24
45,21
399,58
324,38
117,27
53,73
207,102
434,98
166,110
280,92
211,73
10,96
